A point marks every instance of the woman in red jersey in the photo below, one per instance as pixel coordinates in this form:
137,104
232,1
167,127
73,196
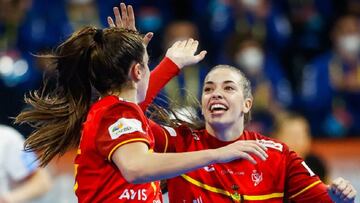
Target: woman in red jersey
115,161
226,103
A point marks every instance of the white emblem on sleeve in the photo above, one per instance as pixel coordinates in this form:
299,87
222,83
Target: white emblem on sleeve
171,131
311,173
125,126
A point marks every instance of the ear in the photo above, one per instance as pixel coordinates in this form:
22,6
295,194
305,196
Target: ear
135,72
247,105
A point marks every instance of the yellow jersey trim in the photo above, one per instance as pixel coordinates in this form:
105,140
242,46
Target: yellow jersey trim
233,196
153,185
76,186
264,197
125,142
303,190
205,186
166,140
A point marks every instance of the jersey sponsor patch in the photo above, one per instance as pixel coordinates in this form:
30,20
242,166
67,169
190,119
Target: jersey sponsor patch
271,144
130,194
125,126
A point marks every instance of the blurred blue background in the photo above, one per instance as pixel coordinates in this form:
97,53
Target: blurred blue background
301,55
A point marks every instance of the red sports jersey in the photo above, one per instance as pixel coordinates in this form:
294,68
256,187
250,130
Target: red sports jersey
283,175
97,178
110,124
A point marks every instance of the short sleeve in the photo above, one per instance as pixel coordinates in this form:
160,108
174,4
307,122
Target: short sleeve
19,163
165,137
302,184
121,124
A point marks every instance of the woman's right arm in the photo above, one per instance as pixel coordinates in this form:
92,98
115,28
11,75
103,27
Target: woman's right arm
139,165
179,55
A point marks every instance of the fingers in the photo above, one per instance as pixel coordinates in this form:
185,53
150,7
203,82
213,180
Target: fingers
131,17
147,38
351,196
348,193
261,145
118,20
124,15
182,44
125,18
260,148
200,56
248,148
193,46
341,189
110,22
182,53
246,156
176,44
254,148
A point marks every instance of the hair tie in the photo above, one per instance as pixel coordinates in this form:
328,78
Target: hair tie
98,37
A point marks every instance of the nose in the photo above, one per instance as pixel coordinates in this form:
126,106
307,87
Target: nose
216,95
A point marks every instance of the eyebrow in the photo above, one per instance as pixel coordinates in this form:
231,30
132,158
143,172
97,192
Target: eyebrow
226,82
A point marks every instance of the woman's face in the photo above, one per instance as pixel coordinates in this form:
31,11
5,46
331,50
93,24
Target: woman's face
223,101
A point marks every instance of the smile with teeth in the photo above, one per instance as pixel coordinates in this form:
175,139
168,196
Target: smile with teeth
218,107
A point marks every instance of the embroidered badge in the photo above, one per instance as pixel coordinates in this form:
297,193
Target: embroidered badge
256,177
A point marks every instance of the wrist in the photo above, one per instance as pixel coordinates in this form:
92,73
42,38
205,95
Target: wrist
178,64
214,155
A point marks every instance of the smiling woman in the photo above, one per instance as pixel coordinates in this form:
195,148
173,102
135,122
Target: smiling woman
271,173
226,100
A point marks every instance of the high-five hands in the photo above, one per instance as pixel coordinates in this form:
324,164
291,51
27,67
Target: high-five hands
182,53
126,19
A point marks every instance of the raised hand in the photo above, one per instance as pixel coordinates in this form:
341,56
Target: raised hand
182,53
242,150
341,190
126,19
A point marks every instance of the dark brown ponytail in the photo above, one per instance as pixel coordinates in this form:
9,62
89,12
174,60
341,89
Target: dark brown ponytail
89,59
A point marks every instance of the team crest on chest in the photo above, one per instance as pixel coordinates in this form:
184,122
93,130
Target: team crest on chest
256,177
209,168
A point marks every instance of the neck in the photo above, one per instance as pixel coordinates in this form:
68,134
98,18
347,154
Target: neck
225,132
128,94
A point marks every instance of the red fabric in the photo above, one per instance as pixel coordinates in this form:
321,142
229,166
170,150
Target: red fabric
282,172
161,75
97,178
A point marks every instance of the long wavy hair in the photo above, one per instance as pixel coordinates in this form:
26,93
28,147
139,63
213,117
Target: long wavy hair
89,60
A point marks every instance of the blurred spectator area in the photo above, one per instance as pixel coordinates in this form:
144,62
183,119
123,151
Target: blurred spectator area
286,44
342,158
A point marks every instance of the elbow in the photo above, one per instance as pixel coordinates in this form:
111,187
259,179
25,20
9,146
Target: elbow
134,174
